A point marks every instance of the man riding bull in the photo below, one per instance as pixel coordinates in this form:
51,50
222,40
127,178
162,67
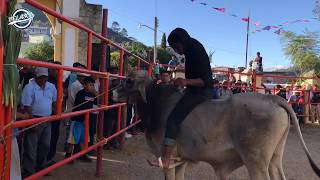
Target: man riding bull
198,83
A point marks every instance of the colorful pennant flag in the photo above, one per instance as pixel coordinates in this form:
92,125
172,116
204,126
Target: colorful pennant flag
279,31
220,9
257,23
234,15
267,28
274,27
246,19
203,3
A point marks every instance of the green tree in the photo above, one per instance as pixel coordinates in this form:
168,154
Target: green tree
115,26
211,56
124,32
43,52
164,41
303,50
115,58
163,55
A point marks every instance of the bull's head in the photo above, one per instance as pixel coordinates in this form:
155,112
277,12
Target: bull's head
133,89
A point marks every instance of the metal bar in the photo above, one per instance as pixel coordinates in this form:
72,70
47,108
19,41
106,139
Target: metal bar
117,76
8,133
3,12
76,24
75,156
103,64
57,66
89,51
121,63
150,70
138,64
60,91
119,119
29,122
86,130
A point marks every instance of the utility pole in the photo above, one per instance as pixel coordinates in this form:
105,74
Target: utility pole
155,39
247,42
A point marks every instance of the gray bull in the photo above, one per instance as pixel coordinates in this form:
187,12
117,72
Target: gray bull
247,129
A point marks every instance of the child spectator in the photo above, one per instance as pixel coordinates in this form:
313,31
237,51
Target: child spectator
85,99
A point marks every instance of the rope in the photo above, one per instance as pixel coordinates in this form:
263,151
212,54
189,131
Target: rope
2,139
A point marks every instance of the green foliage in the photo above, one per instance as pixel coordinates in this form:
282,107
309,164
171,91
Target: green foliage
211,56
124,32
115,58
163,56
43,51
115,26
303,50
11,39
164,41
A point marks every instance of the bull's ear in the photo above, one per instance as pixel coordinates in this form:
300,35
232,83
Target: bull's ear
142,91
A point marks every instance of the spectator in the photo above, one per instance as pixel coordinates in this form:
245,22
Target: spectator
85,99
38,97
72,76
111,115
110,121
258,60
225,92
15,169
216,90
173,63
288,92
237,87
26,74
180,70
157,70
164,77
73,89
279,91
55,125
315,106
298,103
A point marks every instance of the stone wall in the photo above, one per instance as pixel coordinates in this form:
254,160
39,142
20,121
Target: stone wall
90,16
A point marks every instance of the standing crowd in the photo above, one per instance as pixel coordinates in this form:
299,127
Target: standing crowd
38,145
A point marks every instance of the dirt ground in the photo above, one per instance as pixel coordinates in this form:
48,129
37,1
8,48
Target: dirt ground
130,163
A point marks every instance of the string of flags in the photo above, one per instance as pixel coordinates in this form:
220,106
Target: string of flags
278,28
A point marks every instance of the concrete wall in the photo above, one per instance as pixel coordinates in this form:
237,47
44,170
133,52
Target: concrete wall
90,15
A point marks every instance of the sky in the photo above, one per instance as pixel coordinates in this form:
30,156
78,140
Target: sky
218,32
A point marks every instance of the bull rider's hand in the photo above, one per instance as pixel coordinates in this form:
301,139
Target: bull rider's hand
180,82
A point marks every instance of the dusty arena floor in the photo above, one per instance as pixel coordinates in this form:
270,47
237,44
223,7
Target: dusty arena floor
130,163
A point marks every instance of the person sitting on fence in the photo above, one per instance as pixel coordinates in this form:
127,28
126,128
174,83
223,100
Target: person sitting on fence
85,99
315,106
38,97
258,60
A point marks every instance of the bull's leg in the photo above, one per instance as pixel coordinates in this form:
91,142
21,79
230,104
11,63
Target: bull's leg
170,174
275,168
224,170
258,171
180,170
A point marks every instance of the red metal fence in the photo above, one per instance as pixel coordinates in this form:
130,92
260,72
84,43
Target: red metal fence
7,125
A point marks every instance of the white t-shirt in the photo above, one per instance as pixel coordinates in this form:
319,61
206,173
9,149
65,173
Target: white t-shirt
73,89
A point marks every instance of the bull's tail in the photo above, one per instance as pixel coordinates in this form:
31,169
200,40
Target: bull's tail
295,121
